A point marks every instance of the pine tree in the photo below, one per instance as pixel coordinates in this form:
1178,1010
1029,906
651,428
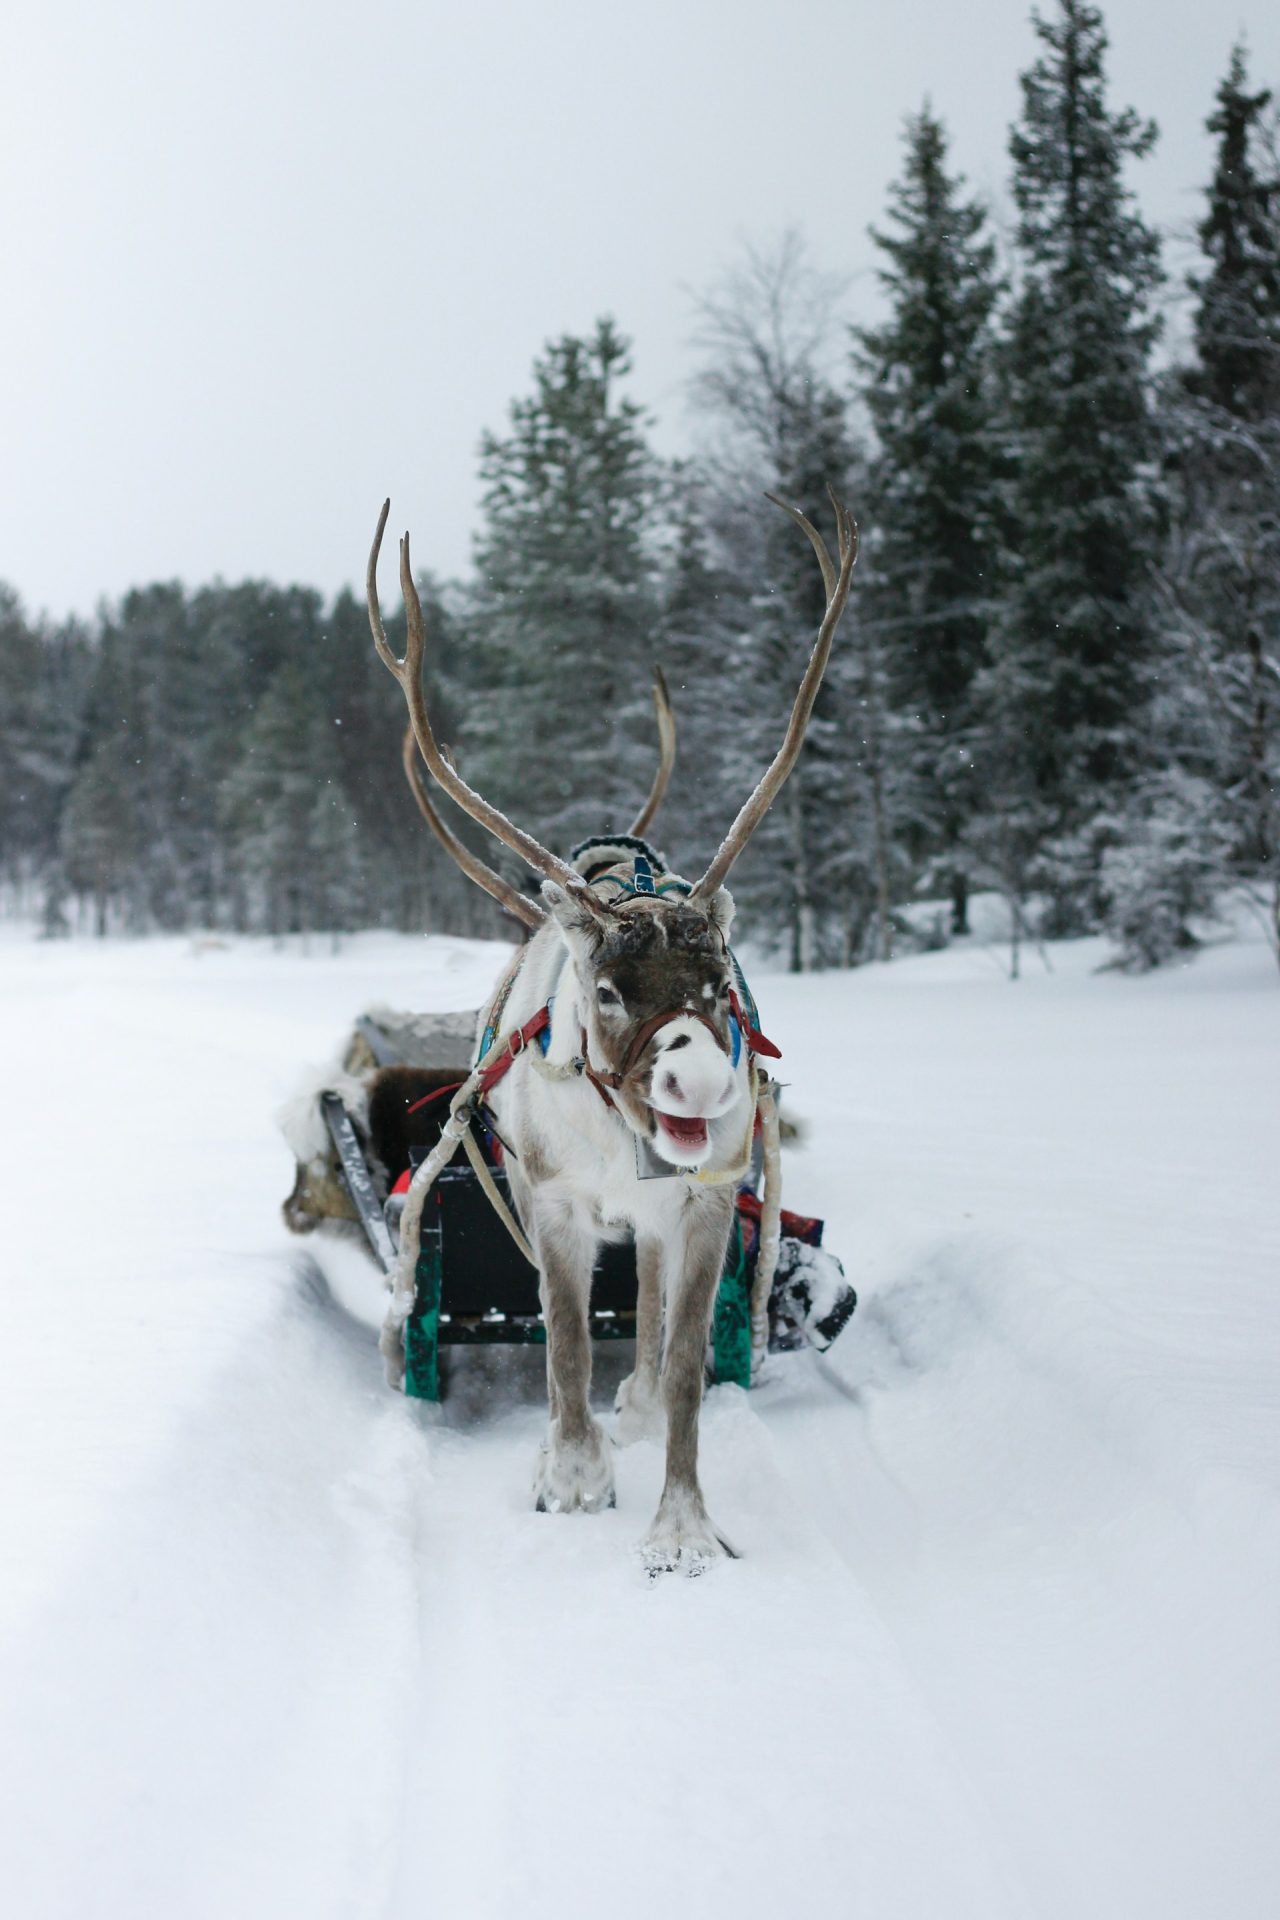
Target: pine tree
934,505
555,708
269,802
148,648
1237,322
1222,421
333,859
19,670
1069,654
406,880
44,679
103,844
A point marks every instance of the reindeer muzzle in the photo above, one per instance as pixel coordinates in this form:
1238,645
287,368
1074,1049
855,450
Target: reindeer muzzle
640,1039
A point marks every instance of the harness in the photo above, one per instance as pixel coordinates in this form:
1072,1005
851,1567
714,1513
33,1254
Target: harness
744,1017
497,1055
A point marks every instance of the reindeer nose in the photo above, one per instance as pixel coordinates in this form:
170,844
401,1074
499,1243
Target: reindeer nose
697,1081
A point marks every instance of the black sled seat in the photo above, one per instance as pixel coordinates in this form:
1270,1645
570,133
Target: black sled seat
473,1284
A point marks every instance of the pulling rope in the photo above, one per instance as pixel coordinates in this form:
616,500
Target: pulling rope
480,1167
770,1224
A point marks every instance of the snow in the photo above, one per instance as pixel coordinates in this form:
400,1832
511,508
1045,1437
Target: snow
1003,1637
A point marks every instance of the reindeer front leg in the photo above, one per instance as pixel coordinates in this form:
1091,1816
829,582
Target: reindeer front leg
574,1467
682,1537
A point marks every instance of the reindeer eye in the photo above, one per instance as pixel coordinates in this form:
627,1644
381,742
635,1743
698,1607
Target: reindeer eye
607,996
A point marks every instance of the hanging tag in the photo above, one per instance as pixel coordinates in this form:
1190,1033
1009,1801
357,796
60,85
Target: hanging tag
650,1164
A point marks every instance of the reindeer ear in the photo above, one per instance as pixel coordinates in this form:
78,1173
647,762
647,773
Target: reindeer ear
579,913
720,911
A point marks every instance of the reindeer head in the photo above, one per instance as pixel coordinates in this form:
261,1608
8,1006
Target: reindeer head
654,982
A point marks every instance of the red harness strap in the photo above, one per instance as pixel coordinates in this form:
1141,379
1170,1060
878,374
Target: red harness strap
529,1032
507,1057
752,1035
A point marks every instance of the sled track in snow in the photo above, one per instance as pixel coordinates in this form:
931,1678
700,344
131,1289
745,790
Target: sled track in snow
360,1672
214,1718
455,1698
1052,1546
1002,1640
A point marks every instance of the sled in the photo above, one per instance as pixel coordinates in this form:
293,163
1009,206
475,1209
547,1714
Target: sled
379,1116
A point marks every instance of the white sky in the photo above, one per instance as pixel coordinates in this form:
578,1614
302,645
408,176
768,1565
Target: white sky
265,263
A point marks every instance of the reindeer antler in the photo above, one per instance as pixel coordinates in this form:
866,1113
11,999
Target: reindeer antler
837,589
666,753
475,868
408,672
472,865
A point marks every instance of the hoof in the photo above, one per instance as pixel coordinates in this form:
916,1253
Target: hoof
640,1415
574,1476
683,1540
610,1503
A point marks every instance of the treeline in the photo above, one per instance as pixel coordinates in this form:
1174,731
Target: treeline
214,759
1059,678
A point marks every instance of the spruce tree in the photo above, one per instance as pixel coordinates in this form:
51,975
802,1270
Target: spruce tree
1069,654
333,856
19,772
44,681
404,883
554,705
925,376
103,845
1222,419
272,802
1237,321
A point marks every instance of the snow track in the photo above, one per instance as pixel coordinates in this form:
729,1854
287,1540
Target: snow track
761,1719
1002,1640
1061,1570
351,1671
213,1716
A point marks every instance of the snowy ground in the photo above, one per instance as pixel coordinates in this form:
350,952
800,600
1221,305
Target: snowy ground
1004,1640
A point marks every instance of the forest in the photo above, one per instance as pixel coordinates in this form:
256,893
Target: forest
1058,680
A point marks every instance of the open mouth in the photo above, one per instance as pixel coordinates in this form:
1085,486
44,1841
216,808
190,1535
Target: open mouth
685,1133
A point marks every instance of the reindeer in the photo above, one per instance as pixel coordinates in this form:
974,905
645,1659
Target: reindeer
637,988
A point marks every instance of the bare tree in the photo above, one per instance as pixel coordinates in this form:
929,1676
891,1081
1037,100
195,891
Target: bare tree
769,334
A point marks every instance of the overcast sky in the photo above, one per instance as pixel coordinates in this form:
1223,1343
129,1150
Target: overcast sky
265,263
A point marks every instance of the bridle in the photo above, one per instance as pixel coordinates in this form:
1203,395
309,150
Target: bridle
607,1084
497,1056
